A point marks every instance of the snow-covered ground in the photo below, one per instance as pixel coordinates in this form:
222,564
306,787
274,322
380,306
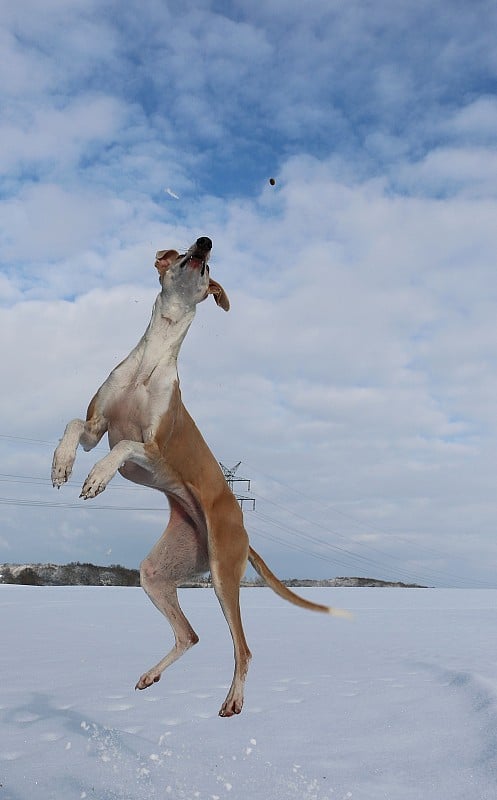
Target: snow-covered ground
399,704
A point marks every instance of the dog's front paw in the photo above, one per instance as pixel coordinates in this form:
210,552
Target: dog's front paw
96,482
62,465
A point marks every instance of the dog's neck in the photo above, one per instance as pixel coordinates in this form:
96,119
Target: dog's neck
162,340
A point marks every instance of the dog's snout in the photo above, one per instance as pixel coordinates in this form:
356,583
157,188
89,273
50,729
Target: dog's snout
204,244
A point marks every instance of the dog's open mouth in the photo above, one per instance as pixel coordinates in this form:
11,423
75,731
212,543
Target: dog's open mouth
197,255
197,262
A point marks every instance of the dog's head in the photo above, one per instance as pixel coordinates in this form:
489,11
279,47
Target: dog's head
187,274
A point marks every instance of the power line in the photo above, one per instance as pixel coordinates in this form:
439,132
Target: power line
342,555
229,474
24,439
370,528
364,545
15,501
31,480
356,559
45,442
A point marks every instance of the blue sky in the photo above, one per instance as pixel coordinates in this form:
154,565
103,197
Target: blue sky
355,374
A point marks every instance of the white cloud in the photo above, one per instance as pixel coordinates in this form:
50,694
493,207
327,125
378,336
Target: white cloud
469,171
26,74
475,121
46,222
60,135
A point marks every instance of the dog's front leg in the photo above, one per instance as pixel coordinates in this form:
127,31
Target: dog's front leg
77,432
65,453
105,469
88,434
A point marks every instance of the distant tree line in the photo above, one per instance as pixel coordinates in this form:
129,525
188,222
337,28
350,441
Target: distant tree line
78,574
74,574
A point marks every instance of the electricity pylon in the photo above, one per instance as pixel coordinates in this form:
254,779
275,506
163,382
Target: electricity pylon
229,474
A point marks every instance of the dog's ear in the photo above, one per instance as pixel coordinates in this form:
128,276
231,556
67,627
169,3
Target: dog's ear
220,295
164,259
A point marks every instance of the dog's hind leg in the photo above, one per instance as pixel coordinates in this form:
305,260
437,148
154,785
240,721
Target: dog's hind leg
179,554
228,559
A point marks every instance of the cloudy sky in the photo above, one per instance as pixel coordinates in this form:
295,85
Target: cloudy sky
355,375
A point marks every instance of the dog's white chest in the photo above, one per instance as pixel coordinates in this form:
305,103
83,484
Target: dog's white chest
139,396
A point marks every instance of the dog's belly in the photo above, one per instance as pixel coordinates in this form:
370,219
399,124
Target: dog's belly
136,474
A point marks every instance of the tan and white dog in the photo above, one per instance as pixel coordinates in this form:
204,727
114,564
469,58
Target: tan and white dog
154,442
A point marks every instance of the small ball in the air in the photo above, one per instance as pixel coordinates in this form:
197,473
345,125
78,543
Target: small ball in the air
272,181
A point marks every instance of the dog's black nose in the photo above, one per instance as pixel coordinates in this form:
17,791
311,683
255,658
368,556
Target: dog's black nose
204,244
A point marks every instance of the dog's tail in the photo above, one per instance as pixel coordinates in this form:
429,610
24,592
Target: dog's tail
277,586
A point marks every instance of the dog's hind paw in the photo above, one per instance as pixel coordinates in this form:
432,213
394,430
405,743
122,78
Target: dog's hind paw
147,679
231,706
